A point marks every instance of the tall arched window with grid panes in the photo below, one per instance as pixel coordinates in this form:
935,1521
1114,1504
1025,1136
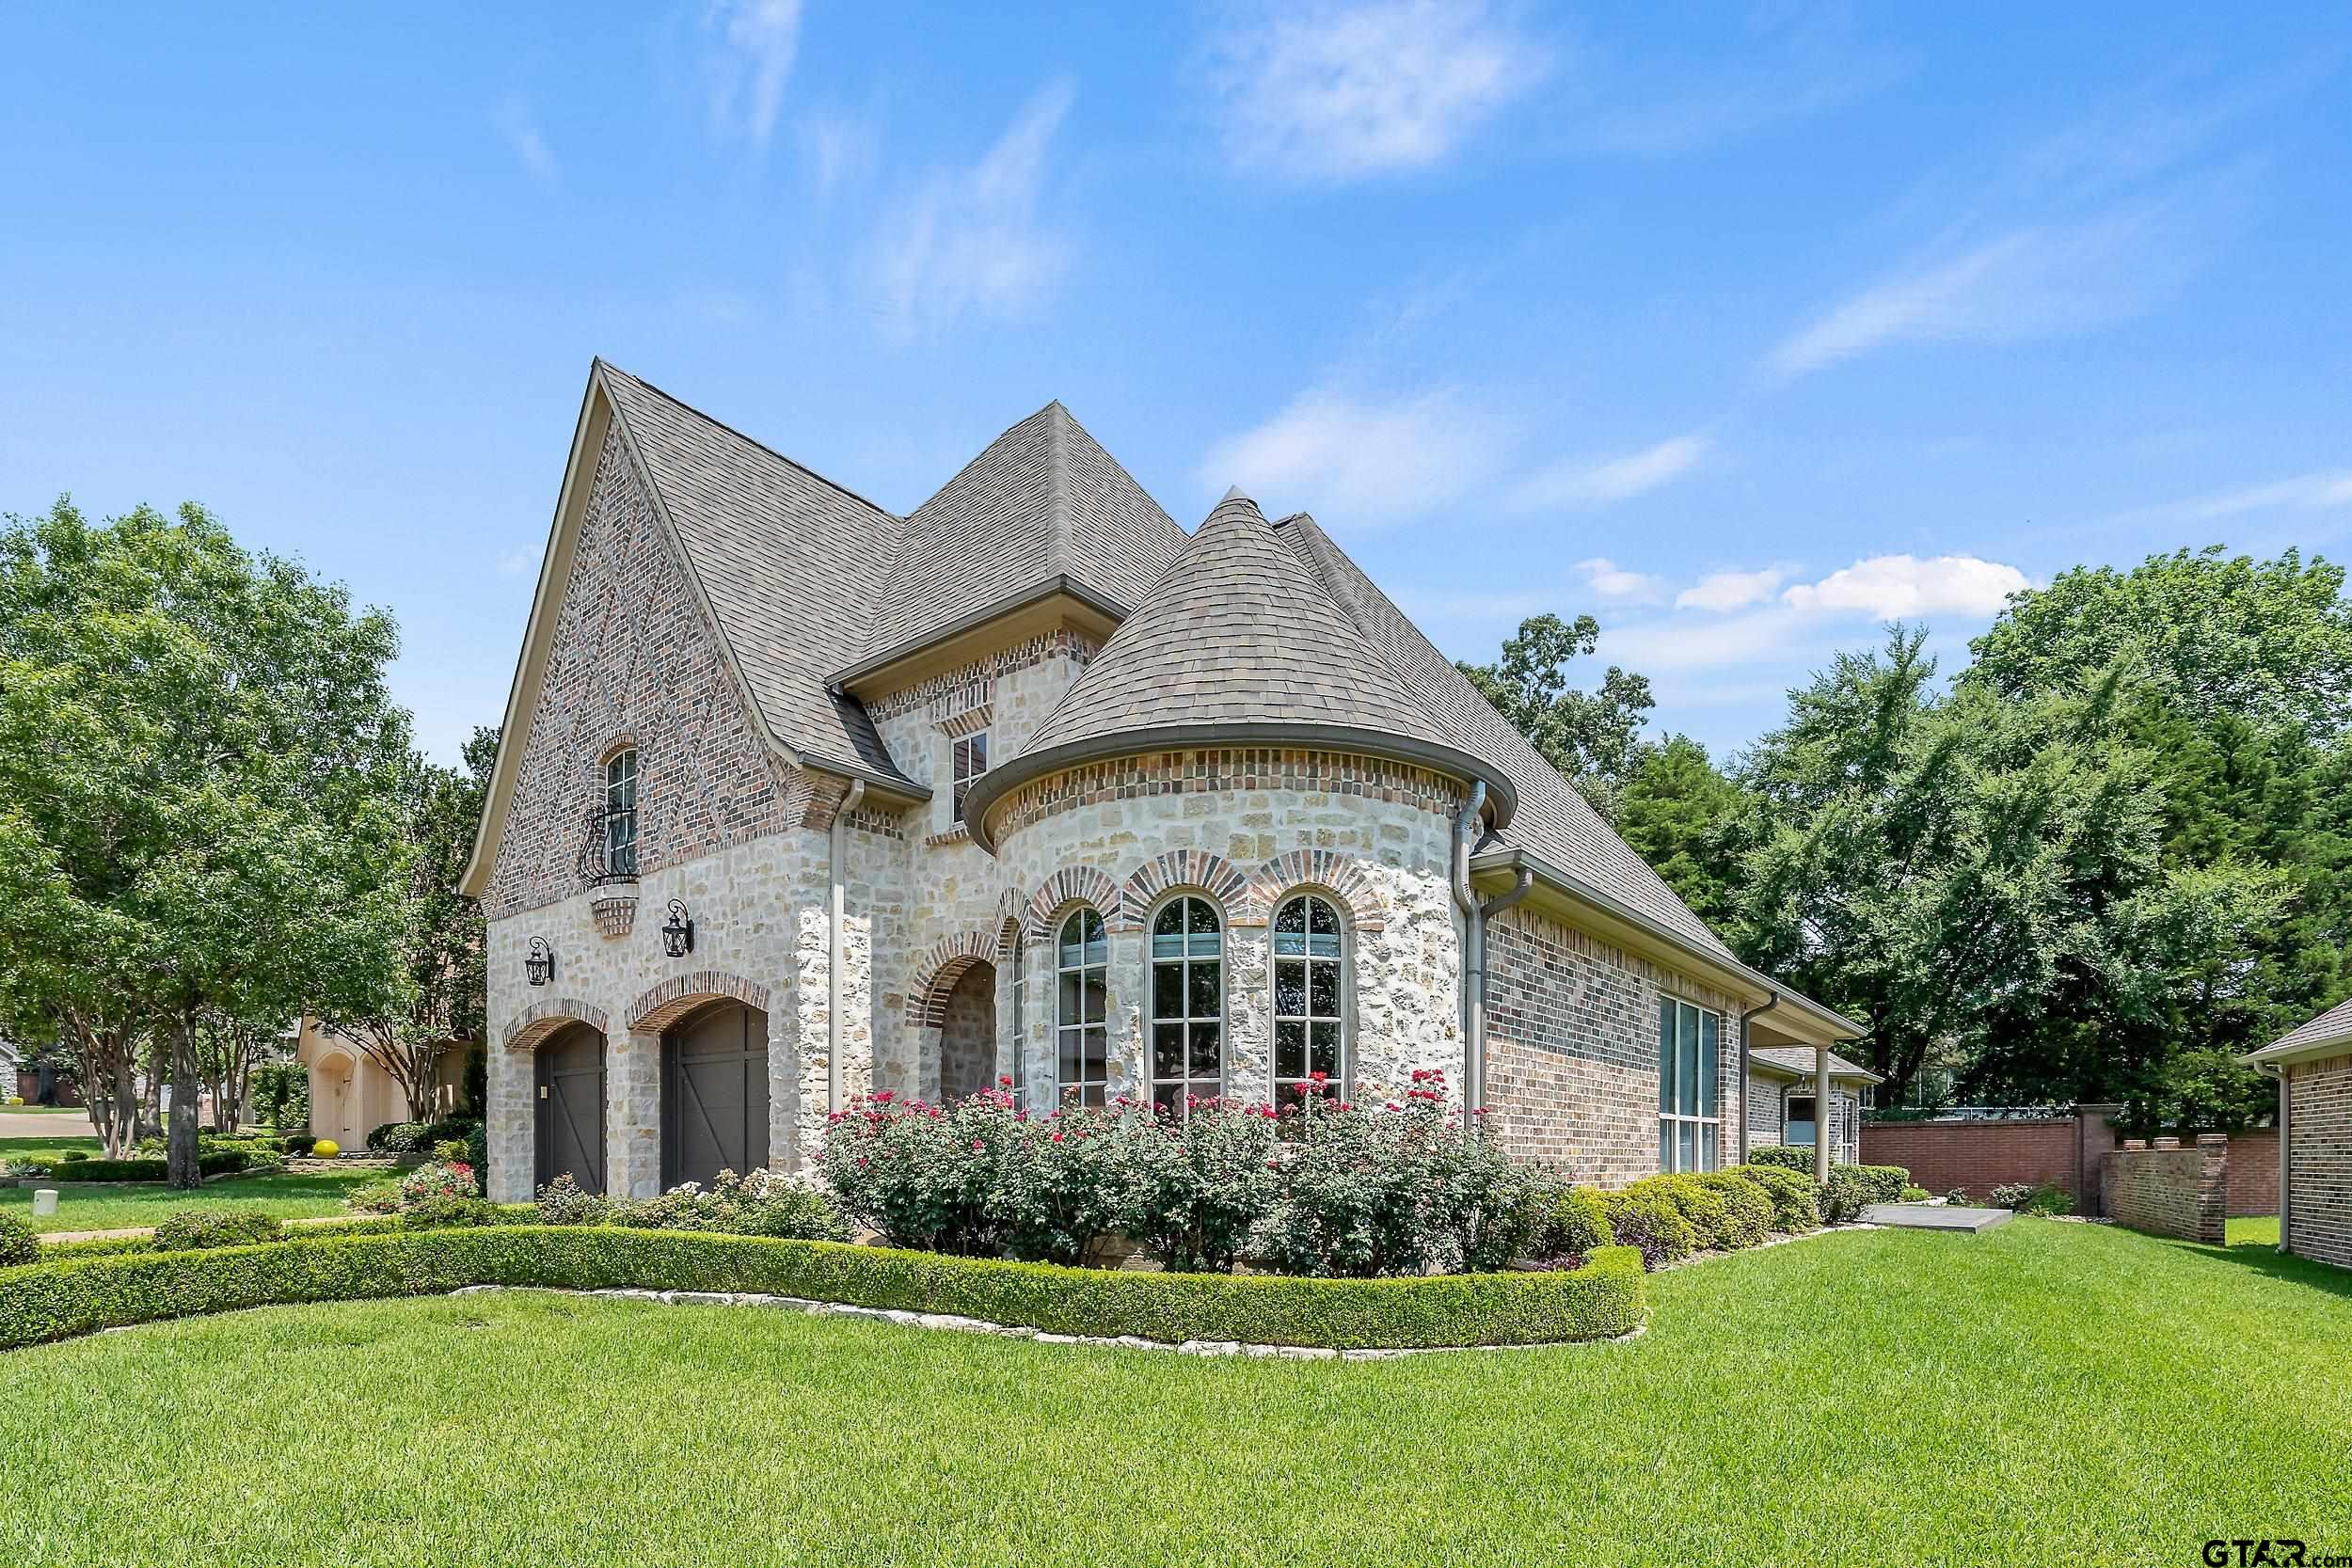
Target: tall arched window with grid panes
620,814
1082,1006
1188,1004
1310,1021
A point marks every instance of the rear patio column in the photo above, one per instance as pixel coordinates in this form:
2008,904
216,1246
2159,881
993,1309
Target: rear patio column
1824,1115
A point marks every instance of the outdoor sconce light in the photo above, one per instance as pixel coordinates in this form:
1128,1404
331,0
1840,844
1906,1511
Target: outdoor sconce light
539,963
677,937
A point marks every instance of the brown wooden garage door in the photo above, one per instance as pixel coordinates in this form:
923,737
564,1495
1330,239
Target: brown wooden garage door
571,1108
714,1094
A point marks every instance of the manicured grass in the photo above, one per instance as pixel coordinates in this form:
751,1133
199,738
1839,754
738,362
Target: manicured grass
2248,1233
48,1148
43,1111
2044,1392
109,1205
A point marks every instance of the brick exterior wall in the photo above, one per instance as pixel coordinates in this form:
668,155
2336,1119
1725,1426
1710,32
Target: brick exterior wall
1572,1050
1767,1106
1983,1155
2319,1200
2255,1172
2170,1191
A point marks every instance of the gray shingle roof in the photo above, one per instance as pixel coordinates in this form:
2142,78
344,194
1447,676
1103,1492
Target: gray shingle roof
1554,821
1044,500
2335,1023
790,562
1799,1059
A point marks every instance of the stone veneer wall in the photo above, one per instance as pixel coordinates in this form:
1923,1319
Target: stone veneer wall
1572,1050
2169,1189
2319,1171
1245,833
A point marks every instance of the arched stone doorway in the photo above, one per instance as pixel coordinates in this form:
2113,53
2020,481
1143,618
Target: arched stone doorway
714,1093
967,1034
569,1101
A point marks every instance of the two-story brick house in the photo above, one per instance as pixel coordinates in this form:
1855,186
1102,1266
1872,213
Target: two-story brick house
799,799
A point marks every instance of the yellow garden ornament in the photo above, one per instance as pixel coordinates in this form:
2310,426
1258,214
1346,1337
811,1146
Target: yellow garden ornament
326,1149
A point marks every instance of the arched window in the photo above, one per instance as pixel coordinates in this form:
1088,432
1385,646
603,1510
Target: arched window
1187,1002
1310,1029
620,815
1082,1006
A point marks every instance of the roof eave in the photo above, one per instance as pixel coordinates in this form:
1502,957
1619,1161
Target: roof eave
1059,585
1578,889
994,784
2335,1043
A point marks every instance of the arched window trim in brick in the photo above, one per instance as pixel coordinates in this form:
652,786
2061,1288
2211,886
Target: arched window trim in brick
1072,885
1341,878
663,1005
940,967
1161,876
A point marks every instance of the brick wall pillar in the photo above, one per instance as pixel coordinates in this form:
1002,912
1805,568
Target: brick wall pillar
632,1116
2212,1188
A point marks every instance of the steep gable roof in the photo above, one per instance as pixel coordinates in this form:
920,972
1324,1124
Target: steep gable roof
2330,1030
1044,502
1554,821
786,561
1237,643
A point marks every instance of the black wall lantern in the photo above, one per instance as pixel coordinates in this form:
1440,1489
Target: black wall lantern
539,963
677,937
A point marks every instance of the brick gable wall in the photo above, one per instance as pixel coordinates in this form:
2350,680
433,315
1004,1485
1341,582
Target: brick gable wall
2319,1203
634,662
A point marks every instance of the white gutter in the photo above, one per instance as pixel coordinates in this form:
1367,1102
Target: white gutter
1473,951
2286,1167
838,845
1747,1064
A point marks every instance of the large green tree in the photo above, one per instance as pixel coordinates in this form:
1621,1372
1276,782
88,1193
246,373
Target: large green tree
1595,737
198,755
1695,824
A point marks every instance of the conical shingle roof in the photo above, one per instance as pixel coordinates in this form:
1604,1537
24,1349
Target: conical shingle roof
1044,501
1236,644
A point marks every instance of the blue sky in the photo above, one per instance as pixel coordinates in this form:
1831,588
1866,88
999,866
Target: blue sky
1741,329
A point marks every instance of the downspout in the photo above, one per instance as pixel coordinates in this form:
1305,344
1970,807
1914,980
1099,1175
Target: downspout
1475,1095
1473,951
834,957
2286,1202
1746,1057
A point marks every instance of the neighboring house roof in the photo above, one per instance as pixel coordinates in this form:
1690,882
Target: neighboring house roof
1798,1060
761,533
1237,643
1043,505
2330,1032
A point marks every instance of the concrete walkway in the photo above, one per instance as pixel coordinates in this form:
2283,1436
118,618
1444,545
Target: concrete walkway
1935,1216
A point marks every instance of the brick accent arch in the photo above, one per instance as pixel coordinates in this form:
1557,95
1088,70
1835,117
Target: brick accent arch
673,998
1075,884
534,1023
1340,877
940,969
1011,907
1192,868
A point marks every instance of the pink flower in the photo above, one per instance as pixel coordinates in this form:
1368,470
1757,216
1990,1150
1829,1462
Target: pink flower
1058,1137
885,1097
1004,1080
979,1143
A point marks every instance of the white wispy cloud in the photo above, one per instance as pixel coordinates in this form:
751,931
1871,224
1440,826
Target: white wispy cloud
514,562
521,128
1339,91
973,239
1610,581
837,149
1355,461
752,44
2316,492
1729,590
1585,482
1902,586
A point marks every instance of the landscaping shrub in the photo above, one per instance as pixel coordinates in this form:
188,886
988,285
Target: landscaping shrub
477,1145
20,1168
50,1301
1787,1157
1885,1183
1192,1198
1748,1214
2029,1198
924,1176
196,1230
1568,1223
1649,1221
1843,1199
72,1156
1958,1195
19,1242
565,1201
374,1197
1702,1209
1796,1202
298,1143
451,1151
1916,1194
438,1180
413,1137
227,1162
760,1204
448,1211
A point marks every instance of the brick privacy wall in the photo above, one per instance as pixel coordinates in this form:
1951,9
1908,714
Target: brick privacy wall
2319,1210
2255,1172
1979,1155
2170,1191
1572,1051
633,662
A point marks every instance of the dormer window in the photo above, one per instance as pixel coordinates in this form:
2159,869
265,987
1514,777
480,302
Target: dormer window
620,815
971,761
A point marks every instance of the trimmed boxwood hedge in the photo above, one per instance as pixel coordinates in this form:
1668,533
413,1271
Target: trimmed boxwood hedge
222,1164
1604,1298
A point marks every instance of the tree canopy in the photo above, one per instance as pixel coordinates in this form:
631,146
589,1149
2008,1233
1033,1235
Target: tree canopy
1594,737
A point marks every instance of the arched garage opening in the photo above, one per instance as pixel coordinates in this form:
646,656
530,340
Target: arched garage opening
569,1107
714,1093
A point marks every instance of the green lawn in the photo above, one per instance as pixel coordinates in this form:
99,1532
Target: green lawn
2048,1392
114,1205
48,1148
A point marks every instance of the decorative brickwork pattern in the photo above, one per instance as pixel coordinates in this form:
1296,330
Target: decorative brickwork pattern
673,998
968,721
2319,1175
534,1023
1342,877
2172,1191
634,657
1076,884
613,906
940,694
1212,873
1238,770
938,971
